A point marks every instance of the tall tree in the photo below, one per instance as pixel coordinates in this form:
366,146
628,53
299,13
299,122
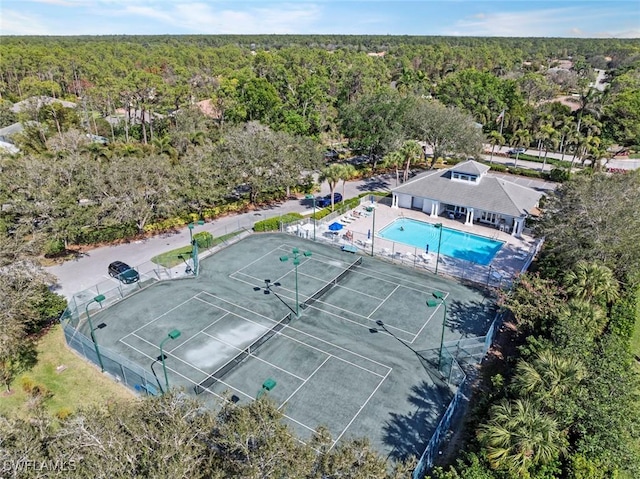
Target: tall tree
495,139
374,123
446,130
411,151
519,437
592,281
394,160
332,175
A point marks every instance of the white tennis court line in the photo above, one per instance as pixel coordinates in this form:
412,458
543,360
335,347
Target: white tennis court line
229,386
251,355
304,382
383,378
360,410
366,326
201,331
142,327
280,333
348,351
383,301
256,260
249,396
395,279
162,315
446,295
259,259
189,380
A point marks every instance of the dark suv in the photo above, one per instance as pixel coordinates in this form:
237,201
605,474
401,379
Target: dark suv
123,272
326,201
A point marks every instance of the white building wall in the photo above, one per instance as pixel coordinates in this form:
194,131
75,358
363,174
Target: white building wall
427,205
404,201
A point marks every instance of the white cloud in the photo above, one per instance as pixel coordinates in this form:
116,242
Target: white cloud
16,23
199,17
63,3
532,23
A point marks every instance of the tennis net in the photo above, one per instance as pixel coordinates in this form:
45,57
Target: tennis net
322,291
244,354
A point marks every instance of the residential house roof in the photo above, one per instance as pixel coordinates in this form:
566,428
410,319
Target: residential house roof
38,102
489,193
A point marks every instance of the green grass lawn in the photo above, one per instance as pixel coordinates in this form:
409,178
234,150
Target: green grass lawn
635,340
172,258
79,384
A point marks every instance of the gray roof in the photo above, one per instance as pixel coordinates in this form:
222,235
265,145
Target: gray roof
471,167
38,102
11,129
492,193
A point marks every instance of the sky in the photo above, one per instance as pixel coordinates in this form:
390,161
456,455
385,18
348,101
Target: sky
497,18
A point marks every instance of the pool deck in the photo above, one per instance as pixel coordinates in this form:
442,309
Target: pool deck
508,262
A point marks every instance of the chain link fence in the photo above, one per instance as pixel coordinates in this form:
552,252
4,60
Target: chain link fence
77,330
457,357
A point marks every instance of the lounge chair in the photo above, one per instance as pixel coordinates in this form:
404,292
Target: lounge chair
426,257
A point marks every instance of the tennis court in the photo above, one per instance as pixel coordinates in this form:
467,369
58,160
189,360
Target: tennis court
353,361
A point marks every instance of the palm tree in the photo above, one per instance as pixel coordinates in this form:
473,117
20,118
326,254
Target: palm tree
496,139
549,137
197,138
567,127
163,147
128,149
411,150
519,436
347,171
97,151
521,138
332,174
547,377
593,282
591,318
590,102
394,160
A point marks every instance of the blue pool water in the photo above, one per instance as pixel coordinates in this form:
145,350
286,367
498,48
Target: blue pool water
456,244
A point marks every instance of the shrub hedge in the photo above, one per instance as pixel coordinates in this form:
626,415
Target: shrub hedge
273,224
204,239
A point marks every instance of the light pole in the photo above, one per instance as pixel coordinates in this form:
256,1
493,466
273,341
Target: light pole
191,226
173,334
98,299
439,226
296,261
432,303
373,229
313,198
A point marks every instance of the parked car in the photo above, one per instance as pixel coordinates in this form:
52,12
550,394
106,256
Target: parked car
516,151
326,201
123,272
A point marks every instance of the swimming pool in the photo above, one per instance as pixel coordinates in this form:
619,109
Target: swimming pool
456,244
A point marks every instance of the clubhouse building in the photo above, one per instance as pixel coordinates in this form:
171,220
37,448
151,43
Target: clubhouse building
468,193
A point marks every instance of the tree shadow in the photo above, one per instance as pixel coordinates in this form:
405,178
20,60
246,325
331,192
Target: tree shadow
375,183
409,434
470,318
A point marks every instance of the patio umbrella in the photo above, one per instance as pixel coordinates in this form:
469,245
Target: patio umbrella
335,226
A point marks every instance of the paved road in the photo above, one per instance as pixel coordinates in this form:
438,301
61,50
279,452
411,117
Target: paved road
531,165
91,268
